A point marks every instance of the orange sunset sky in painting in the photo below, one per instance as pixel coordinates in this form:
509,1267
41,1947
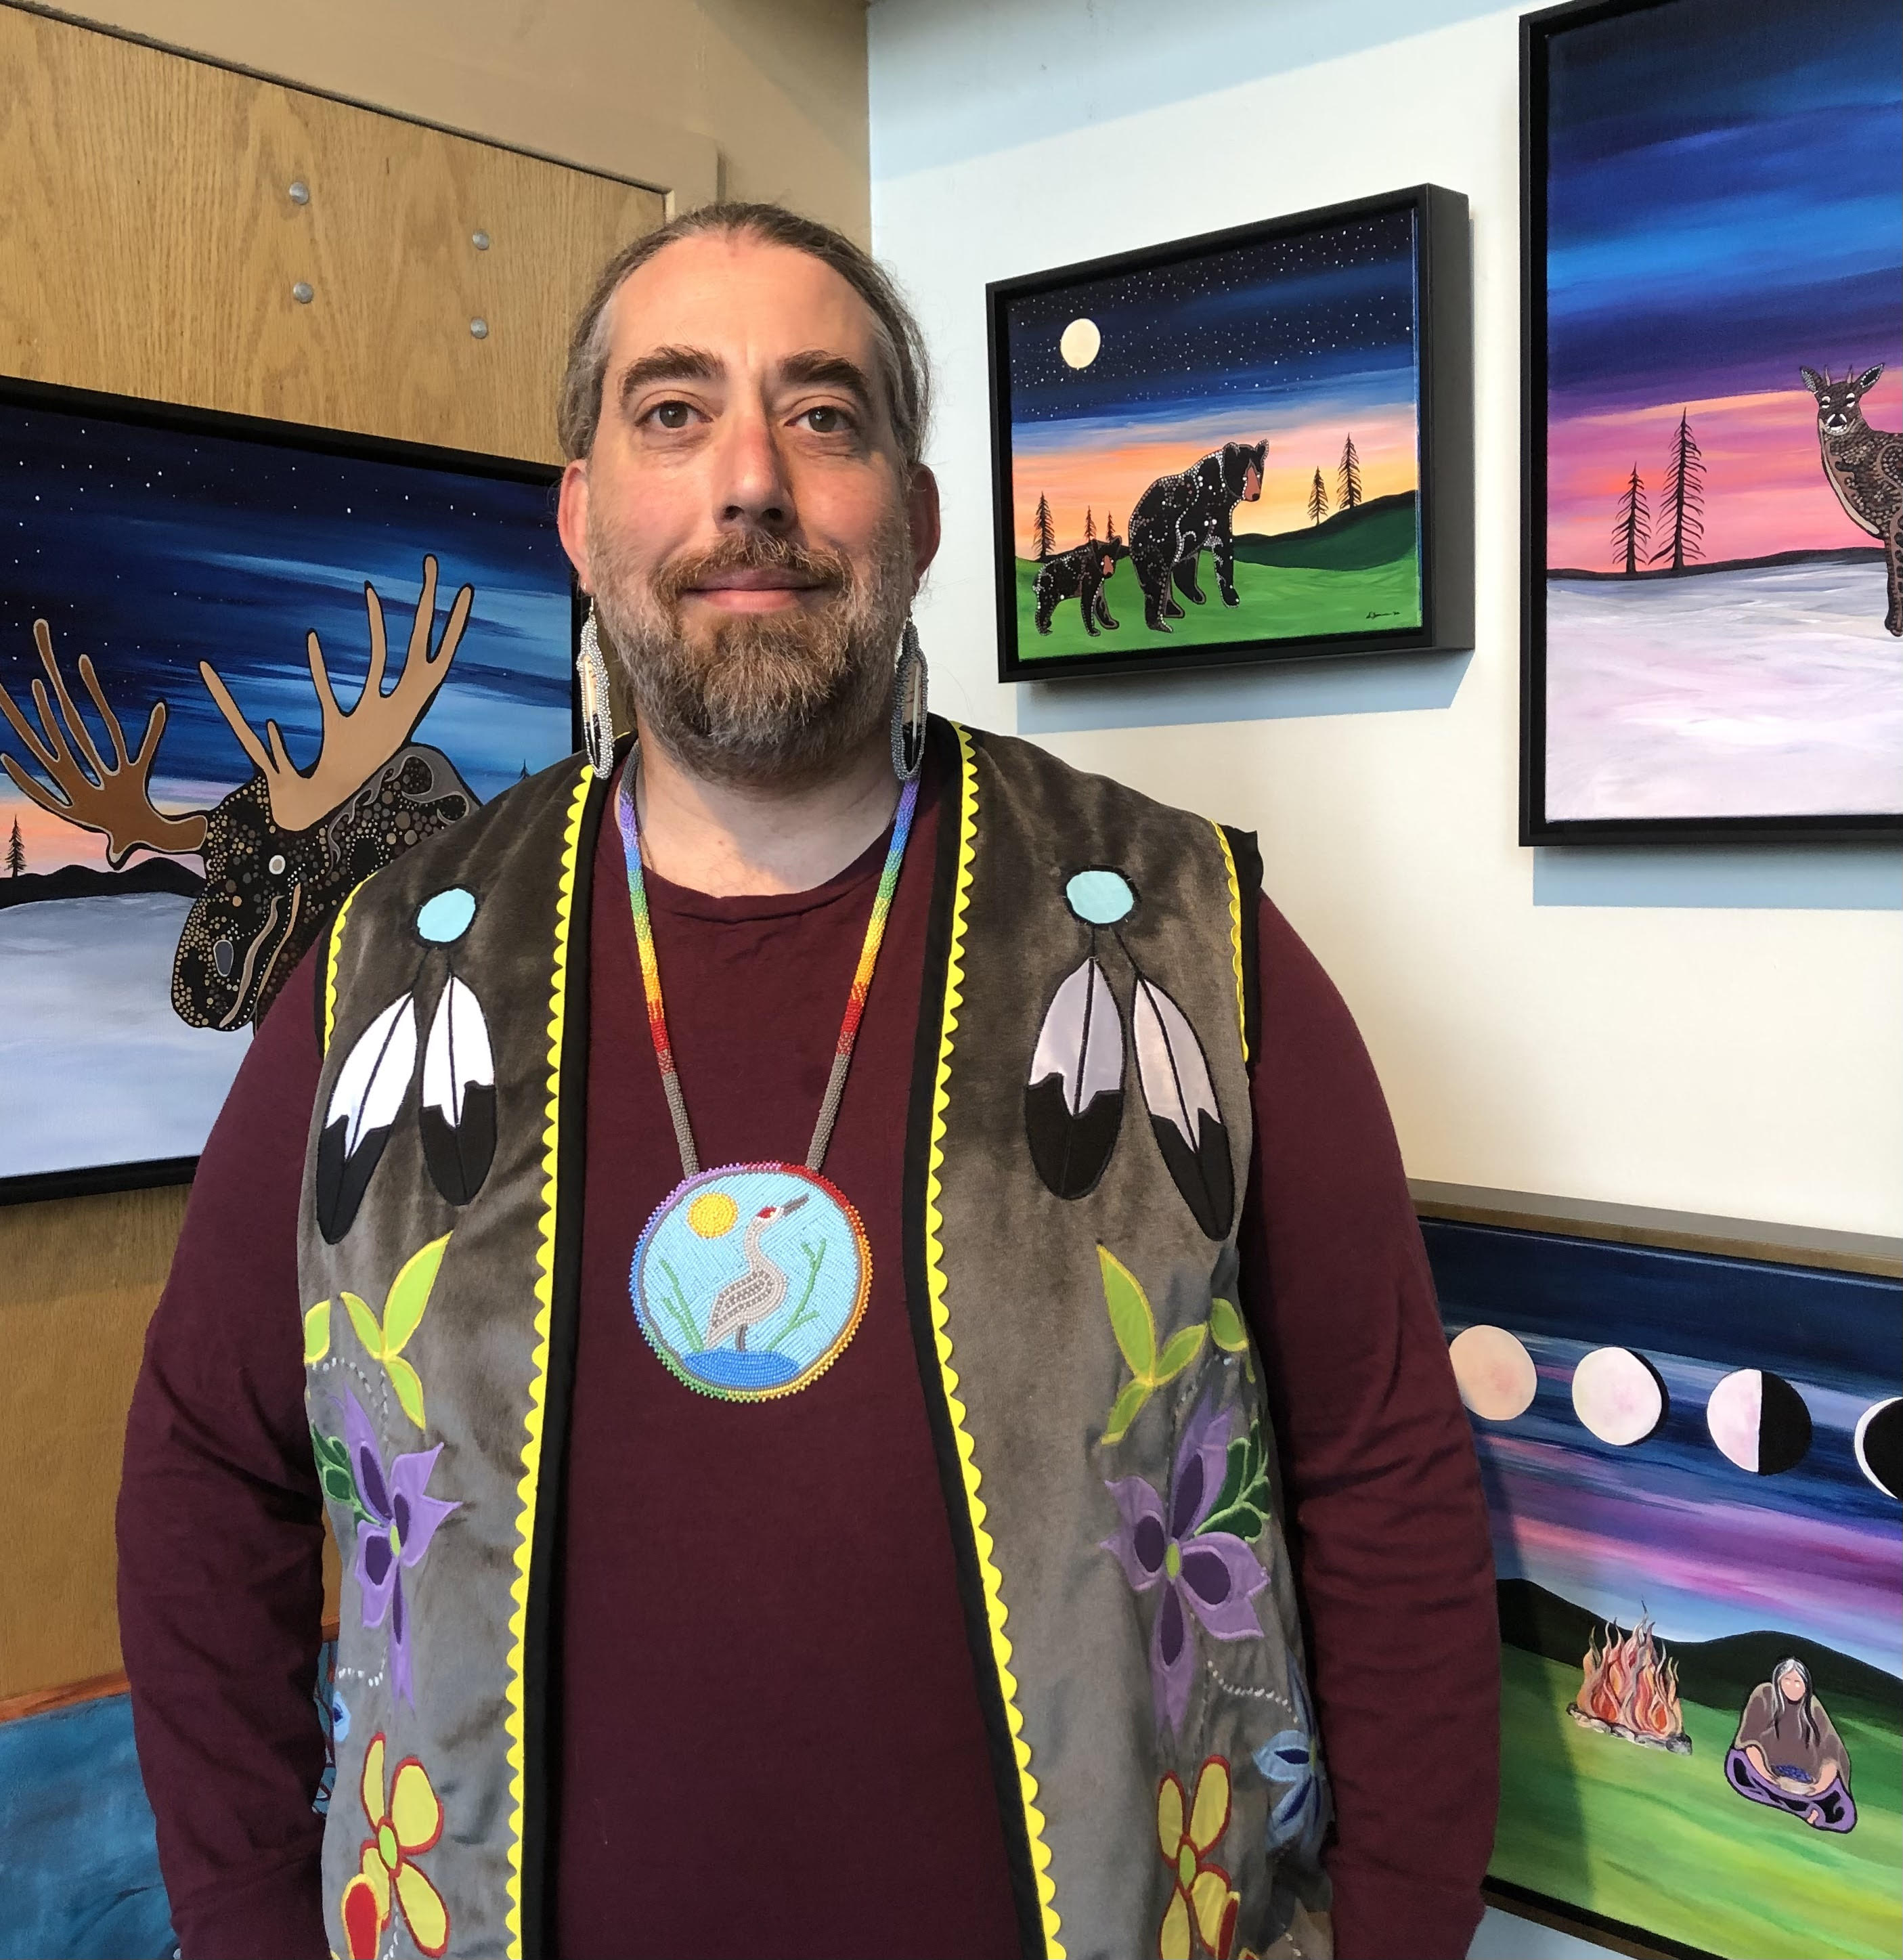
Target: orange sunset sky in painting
1764,480
1080,469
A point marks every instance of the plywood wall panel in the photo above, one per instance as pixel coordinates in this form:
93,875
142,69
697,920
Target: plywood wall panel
149,245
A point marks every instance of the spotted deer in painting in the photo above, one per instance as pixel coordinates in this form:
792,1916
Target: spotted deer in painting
1864,465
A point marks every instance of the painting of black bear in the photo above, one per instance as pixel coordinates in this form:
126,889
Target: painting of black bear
1180,517
1079,574
1275,414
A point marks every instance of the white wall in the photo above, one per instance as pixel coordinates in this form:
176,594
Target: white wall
1713,1033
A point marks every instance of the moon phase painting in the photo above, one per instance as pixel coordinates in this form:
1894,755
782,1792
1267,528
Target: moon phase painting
242,666
1691,1470
1255,445
1713,420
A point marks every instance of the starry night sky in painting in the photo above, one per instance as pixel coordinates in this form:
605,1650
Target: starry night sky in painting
151,548
1331,309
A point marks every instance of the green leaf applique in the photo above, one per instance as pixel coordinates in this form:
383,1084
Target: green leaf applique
1243,1504
1133,1323
383,1340
316,1333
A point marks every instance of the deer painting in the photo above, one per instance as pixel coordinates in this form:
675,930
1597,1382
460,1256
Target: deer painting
282,850
1864,465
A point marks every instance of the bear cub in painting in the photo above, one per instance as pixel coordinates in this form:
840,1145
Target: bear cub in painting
1079,574
1180,517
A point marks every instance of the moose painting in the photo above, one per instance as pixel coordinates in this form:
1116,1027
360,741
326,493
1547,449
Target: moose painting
1276,413
1713,477
207,739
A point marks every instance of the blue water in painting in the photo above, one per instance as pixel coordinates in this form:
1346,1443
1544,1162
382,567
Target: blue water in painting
79,1873
731,1370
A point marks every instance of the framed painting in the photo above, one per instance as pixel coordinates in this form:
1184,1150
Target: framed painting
1713,642
242,666
1692,1467
1255,445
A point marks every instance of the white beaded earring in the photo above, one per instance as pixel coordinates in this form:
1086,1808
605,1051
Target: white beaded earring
909,707
597,710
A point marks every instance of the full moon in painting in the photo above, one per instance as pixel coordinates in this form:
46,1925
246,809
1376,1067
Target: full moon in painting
1618,1396
1080,343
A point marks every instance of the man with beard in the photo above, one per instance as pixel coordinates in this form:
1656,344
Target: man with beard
927,1433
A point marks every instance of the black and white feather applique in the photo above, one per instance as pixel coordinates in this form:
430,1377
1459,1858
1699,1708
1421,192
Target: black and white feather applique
364,1104
458,1118
1183,1110
1074,1098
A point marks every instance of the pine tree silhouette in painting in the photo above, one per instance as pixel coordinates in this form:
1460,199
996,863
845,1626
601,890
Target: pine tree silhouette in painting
1632,528
1317,500
1110,529
16,852
1043,531
1348,476
1681,504
1090,527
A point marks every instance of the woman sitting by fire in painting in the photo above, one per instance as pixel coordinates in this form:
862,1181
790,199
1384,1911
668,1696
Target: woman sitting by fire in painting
1789,1754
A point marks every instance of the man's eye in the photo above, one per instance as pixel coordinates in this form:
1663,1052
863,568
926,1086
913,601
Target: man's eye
671,414
827,421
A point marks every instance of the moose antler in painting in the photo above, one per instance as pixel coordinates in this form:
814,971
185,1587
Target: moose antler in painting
282,850
354,745
115,798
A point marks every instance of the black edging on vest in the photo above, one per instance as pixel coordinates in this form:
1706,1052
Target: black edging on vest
943,757
1243,848
541,1684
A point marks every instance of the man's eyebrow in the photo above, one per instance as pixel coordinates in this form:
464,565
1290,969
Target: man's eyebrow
669,364
815,368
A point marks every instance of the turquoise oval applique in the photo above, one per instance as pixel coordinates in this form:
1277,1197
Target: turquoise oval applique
1100,897
443,919
748,1280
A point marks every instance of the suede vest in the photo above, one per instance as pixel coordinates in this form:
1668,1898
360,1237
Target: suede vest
1078,1142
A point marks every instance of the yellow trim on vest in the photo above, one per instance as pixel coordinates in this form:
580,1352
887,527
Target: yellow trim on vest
1235,934
336,947
514,1686
994,1610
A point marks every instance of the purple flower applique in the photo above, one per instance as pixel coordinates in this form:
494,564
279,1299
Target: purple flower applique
1213,1577
398,1522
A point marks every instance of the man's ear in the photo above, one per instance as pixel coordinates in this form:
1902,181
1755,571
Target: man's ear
921,519
571,519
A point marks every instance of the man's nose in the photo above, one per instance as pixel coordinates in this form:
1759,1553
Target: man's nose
752,485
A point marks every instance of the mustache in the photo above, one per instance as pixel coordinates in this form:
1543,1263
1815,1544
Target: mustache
754,551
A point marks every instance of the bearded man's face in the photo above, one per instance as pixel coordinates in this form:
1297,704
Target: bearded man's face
748,529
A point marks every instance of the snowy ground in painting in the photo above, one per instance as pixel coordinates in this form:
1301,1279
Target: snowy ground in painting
95,1068
1772,691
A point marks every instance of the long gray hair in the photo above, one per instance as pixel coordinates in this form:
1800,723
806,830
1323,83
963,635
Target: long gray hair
1806,1709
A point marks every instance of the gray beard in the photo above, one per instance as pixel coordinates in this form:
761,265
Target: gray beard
786,699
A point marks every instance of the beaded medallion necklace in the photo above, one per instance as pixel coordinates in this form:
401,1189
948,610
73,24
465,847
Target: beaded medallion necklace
750,1278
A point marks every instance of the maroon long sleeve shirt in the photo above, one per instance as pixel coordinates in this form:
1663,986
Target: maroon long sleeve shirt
770,1733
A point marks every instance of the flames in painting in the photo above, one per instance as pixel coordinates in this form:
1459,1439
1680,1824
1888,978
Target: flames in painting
1629,1688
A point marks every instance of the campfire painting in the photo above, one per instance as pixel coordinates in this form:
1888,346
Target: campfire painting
1693,1467
241,666
1630,1689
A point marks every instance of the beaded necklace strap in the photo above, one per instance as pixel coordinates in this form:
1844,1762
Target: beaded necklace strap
855,998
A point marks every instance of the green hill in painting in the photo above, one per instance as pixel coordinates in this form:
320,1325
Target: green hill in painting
1660,1842
1357,572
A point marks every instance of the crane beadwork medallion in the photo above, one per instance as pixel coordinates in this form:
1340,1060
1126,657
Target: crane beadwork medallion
750,1280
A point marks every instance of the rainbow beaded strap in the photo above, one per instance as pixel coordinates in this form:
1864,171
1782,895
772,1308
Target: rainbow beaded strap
855,999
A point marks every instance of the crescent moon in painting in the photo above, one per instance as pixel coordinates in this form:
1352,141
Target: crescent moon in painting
1758,1421
1879,1444
1619,1395
1079,343
1493,1372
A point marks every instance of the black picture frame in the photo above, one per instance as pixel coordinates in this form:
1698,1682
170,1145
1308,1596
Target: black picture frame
175,418
1444,437
1537,32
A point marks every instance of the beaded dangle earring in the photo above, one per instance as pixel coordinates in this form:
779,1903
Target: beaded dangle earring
909,707
598,711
